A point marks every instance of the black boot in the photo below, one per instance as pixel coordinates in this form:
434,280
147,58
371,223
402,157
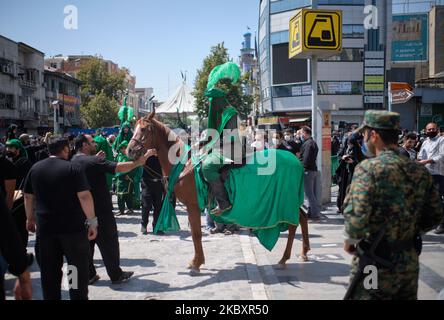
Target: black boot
219,192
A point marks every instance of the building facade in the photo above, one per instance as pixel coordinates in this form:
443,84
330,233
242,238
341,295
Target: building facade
22,93
286,84
144,103
62,93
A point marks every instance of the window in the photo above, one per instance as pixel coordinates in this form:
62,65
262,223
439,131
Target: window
353,31
6,101
288,71
340,87
348,55
6,66
286,5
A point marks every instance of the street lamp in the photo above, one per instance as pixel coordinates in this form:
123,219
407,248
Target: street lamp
55,107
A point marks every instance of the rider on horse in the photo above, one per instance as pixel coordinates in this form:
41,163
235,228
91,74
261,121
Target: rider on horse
221,116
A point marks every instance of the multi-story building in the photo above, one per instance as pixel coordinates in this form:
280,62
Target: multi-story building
144,103
63,96
73,64
22,93
286,84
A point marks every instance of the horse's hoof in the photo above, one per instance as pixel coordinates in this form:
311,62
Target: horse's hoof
303,258
194,271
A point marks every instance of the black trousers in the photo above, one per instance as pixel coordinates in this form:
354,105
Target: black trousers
51,250
152,196
108,242
439,183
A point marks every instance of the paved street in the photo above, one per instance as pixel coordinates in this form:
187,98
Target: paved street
238,267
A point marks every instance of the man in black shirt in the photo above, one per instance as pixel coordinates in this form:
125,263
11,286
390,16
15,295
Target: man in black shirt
309,153
8,180
96,168
60,191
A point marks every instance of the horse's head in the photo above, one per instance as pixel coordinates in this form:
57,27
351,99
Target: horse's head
143,138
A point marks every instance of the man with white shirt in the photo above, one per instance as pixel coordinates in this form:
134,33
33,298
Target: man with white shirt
432,156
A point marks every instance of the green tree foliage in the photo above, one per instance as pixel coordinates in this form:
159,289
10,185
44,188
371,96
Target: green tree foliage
236,97
100,111
99,93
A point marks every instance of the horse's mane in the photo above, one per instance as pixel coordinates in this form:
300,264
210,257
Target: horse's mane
165,132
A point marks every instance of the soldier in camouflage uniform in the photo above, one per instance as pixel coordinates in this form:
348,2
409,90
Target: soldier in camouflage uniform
394,194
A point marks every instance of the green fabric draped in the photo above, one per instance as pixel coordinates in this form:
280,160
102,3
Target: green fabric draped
103,145
167,220
122,136
268,204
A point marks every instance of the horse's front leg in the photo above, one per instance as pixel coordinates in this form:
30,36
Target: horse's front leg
196,233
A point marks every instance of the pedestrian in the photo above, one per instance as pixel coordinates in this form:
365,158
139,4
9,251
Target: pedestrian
344,174
431,155
19,157
408,147
391,202
125,183
8,180
59,210
96,169
13,256
309,154
152,193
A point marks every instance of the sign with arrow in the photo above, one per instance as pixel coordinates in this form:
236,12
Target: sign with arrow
400,92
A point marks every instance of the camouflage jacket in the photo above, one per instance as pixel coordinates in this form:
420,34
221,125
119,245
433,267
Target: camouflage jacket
391,192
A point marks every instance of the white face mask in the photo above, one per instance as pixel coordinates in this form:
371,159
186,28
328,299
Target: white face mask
287,138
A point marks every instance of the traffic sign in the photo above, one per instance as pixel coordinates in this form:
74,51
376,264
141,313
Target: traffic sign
400,92
315,32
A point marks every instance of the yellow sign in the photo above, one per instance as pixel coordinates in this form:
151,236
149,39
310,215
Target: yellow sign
374,87
374,79
315,32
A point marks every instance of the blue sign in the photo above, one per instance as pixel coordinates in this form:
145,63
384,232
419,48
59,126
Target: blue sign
410,38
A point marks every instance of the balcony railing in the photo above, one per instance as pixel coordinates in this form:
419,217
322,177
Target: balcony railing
28,84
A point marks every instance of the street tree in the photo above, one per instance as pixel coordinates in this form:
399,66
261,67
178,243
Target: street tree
100,111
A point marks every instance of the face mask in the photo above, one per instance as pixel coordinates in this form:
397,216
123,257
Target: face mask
366,151
302,139
287,138
432,135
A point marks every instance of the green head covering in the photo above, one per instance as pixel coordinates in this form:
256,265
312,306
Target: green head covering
15,143
124,144
229,71
382,120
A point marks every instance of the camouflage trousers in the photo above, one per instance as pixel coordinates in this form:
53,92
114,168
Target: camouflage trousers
392,285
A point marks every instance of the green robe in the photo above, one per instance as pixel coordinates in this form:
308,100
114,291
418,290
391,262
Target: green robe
103,145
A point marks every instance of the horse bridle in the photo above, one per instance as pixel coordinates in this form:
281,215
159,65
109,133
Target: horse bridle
140,143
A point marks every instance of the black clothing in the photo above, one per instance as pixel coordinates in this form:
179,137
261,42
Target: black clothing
42,154
96,169
290,146
55,183
11,247
152,191
107,239
51,249
309,153
335,146
32,151
8,171
23,166
403,152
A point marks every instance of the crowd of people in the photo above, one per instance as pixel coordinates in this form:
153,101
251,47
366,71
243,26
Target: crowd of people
36,197
51,186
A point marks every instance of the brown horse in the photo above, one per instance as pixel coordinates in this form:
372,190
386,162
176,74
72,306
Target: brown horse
152,134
